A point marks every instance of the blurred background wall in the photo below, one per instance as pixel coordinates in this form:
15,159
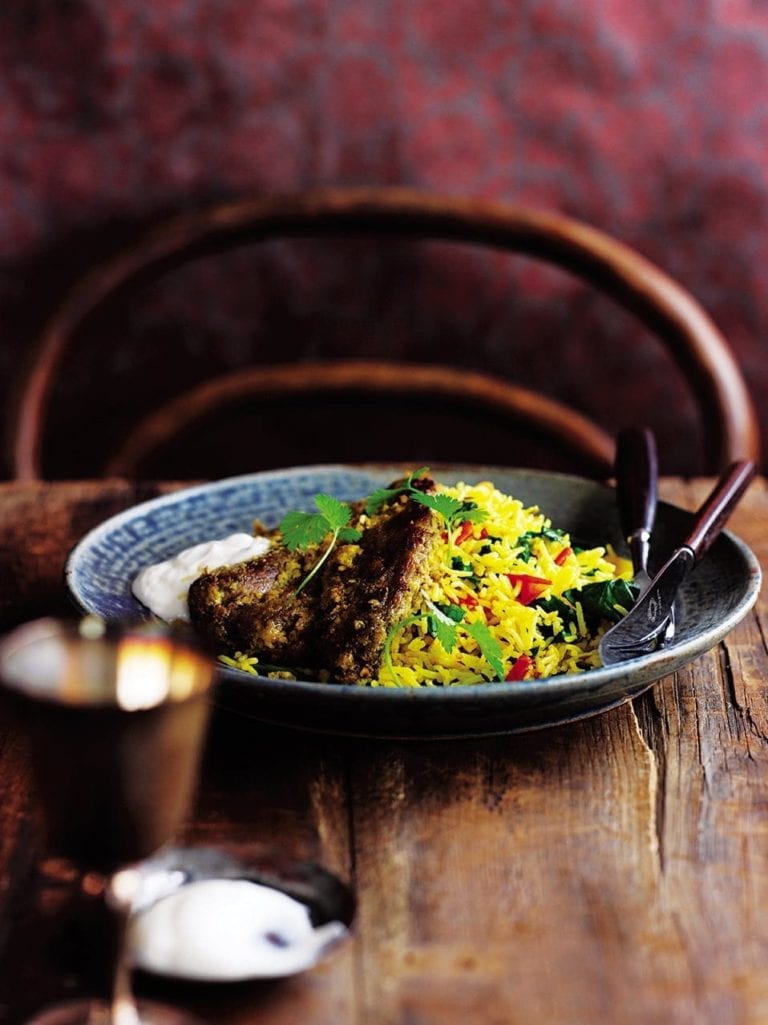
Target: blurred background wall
647,120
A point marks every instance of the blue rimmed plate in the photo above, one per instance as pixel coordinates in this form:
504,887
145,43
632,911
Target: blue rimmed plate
714,598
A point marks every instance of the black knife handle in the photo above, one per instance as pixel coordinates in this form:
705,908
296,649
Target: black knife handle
636,470
713,514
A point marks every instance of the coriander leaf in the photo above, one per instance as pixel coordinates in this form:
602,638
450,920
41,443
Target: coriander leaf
336,514
490,648
383,495
444,630
443,505
443,624
380,497
454,612
349,534
444,612
301,529
450,509
475,515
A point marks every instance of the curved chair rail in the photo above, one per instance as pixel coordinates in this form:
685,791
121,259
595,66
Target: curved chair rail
345,376
728,415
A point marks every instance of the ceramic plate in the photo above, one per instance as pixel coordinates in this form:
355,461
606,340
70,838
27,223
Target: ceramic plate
715,596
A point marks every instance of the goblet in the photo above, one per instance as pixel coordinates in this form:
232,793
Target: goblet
115,719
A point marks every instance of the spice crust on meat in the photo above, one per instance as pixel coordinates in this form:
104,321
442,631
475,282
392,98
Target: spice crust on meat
336,626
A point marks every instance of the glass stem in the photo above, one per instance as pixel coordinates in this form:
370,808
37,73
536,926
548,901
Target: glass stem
122,888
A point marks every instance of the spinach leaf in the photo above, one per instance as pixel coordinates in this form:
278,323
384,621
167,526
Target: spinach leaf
604,600
525,541
566,612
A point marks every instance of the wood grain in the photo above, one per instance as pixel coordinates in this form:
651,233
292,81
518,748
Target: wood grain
608,872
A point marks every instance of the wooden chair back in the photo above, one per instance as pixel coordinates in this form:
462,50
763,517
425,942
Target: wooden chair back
716,383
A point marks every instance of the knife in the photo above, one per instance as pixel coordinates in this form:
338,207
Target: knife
642,629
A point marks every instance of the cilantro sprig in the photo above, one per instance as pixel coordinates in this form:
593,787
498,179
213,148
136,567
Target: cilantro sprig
444,623
381,496
451,510
303,529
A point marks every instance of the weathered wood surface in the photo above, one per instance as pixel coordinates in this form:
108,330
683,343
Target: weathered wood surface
610,871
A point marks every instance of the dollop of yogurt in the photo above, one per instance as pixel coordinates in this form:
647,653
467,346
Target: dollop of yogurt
163,587
225,930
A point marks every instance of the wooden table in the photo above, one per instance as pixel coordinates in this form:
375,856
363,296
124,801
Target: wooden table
610,871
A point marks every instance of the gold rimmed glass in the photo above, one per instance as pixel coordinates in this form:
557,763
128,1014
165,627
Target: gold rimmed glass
115,719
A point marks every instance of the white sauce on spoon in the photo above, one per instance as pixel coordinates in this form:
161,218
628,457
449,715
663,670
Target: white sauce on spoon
163,587
223,930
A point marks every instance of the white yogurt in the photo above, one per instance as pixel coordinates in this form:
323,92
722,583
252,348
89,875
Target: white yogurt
163,587
225,930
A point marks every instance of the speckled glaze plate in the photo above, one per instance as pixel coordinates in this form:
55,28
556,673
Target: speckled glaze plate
714,598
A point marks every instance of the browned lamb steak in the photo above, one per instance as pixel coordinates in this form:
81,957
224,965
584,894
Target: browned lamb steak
337,625
359,604
253,607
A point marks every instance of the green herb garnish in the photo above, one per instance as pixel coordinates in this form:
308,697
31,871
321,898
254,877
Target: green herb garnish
454,612
490,648
450,510
302,529
443,624
383,495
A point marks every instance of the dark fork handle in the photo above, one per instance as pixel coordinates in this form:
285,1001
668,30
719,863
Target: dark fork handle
636,469
713,514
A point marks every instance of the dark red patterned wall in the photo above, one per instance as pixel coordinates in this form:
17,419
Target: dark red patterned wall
645,119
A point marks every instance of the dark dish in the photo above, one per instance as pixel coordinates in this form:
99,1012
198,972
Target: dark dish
713,600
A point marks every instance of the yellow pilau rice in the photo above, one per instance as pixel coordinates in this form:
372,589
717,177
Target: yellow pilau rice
500,555
499,572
